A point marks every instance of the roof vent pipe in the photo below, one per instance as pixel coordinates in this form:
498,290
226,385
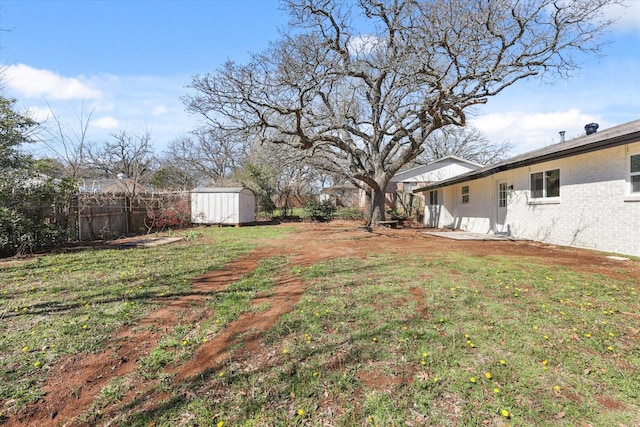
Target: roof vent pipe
561,135
591,128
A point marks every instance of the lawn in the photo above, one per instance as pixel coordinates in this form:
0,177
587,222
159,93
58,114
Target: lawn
386,329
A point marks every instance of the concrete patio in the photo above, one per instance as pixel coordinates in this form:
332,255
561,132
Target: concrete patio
464,235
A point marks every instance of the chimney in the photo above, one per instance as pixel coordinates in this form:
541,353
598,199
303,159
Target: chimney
591,128
561,135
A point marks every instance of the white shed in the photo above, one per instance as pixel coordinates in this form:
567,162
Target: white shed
232,206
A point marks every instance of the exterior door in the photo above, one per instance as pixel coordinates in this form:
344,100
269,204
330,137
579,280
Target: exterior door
501,207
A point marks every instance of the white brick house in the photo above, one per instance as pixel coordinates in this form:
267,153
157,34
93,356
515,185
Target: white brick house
584,192
403,183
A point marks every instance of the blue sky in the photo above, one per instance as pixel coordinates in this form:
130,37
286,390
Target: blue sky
130,62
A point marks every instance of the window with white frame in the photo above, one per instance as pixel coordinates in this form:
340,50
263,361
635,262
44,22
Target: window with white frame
465,194
408,187
634,173
545,184
433,197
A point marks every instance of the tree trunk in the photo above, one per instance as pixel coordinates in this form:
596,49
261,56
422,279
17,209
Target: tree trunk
377,207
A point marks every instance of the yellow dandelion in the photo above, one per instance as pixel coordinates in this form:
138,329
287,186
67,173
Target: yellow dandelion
472,379
487,375
556,387
221,374
220,424
25,349
503,362
374,339
504,413
301,412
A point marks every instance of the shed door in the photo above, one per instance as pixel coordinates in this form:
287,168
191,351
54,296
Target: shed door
501,207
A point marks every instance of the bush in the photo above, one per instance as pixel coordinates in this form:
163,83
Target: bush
168,211
319,211
20,235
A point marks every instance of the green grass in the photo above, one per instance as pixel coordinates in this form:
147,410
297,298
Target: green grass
70,303
385,340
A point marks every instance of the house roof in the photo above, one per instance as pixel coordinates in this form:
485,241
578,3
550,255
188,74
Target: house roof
419,170
608,138
113,186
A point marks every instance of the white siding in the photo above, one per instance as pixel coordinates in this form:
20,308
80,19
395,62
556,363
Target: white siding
218,207
594,209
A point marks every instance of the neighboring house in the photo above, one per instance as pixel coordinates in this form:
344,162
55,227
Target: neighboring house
584,192
346,195
435,171
112,186
400,190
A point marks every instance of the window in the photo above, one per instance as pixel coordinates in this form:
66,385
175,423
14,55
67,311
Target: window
465,194
502,195
408,187
433,197
635,173
545,184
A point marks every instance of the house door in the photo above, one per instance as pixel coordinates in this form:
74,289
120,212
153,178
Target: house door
501,207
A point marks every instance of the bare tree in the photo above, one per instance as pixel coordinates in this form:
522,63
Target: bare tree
367,102
209,154
69,145
173,177
128,154
466,142
280,173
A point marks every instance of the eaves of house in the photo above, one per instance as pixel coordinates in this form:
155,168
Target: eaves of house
423,169
608,138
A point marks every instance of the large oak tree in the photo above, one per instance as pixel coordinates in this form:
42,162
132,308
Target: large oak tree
362,85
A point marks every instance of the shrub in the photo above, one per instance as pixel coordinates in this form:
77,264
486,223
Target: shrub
319,211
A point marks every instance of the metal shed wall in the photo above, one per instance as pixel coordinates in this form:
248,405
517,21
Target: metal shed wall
232,206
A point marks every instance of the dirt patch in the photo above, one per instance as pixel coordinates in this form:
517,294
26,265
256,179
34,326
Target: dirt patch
77,380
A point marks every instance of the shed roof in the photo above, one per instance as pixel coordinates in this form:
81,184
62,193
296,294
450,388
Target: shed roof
220,190
608,138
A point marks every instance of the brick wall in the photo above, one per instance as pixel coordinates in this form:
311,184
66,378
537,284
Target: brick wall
594,210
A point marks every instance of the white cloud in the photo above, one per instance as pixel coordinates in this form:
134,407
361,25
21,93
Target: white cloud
38,83
159,110
156,110
532,130
364,44
627,16
39,114
106,122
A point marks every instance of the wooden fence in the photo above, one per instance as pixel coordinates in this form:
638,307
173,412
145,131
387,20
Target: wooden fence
106,216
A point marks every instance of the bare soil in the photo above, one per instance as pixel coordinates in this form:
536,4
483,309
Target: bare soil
77,380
